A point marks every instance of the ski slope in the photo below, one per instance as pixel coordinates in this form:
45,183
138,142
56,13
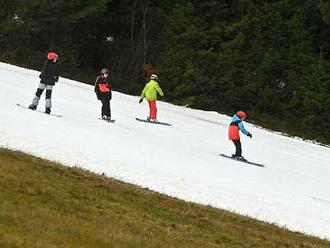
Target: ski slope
292,190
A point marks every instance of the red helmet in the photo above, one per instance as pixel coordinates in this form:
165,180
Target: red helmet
241,115
52,56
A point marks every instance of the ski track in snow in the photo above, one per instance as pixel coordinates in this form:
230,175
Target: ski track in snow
180,160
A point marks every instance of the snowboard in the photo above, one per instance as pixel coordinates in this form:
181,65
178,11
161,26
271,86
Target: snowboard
243,161
39,111
110,121
154,122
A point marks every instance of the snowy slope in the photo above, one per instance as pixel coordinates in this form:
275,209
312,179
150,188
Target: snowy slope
293,190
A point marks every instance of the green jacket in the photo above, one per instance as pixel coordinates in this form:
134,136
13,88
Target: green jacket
150,90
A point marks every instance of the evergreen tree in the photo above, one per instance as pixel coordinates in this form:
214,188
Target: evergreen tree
270,58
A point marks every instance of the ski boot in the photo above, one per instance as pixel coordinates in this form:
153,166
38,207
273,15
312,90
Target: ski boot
106,118
32,107
47,111
241,158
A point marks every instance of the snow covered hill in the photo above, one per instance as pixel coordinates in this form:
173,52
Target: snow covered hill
292,190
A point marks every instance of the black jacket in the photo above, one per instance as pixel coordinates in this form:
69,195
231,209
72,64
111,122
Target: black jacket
103,88
49,74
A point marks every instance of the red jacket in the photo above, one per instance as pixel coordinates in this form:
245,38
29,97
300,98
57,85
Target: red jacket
103,88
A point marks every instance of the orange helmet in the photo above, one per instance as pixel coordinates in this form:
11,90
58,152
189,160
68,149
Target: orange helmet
241,115
52,56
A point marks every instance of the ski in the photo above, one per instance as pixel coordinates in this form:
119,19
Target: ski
110,121
243,161
154,122
39,111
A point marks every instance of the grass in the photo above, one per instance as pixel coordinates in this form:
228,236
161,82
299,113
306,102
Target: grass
43,204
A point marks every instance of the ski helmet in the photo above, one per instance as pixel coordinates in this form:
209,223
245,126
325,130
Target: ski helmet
241,115
52,56
154,76
104,71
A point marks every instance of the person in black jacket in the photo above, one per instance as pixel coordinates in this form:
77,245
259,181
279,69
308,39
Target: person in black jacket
49,76
103,93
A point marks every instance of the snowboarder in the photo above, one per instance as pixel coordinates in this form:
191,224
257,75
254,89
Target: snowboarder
49,76
150,93
235,126
103,93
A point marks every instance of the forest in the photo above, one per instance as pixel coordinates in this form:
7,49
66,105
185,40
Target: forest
270,58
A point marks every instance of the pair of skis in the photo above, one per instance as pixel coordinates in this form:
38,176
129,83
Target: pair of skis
154,122
39,111
107,120
243,161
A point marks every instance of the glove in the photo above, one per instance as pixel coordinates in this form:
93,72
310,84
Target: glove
249,135
141,99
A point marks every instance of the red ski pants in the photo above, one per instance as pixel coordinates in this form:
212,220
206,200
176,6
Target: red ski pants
152,109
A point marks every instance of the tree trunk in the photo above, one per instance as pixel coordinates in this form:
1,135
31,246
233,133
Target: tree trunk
144,13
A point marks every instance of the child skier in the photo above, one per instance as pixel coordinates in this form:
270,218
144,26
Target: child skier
48,76
150,93
235,126
103,93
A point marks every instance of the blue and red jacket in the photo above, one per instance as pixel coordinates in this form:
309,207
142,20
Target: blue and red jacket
235,126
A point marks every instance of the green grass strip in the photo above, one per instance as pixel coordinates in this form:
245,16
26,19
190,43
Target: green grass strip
44,204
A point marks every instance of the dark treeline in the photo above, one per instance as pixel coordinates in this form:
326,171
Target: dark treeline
270,57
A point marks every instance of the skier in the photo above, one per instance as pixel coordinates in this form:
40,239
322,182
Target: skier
103,93
235,126
150,93
49,76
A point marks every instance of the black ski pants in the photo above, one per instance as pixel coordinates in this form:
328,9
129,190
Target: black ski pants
105,107
238,147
